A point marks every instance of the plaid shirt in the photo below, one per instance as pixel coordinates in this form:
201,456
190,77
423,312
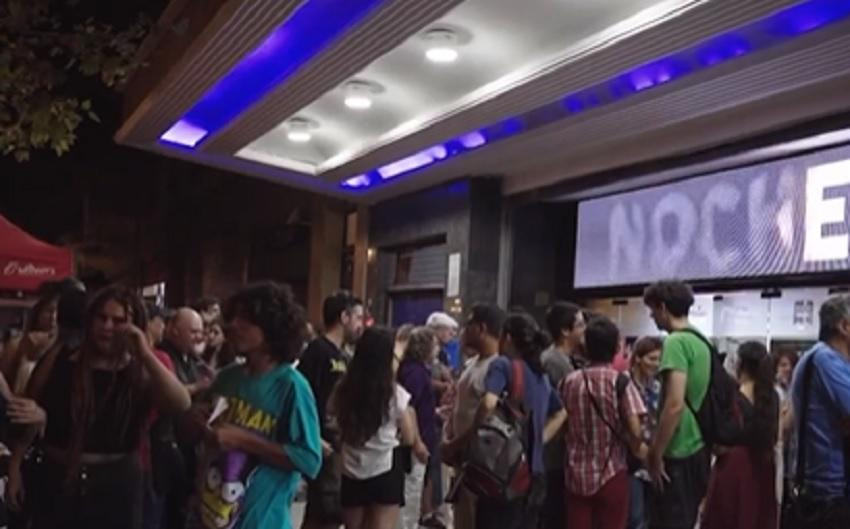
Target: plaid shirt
594,453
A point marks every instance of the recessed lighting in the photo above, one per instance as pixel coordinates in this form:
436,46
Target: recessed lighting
442,55
441,45
359,93
298,129
299,136
358,102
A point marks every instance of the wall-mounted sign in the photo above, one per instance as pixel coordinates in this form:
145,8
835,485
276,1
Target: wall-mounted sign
453,280
785,217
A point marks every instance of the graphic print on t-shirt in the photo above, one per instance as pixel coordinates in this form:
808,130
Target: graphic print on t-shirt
229,473
225,483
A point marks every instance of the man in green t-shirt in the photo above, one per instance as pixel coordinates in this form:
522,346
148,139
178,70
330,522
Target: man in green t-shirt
678,460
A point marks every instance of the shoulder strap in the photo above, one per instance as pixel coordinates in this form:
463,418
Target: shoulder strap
712,357
598,409
517,391
800,476
623,381
699,335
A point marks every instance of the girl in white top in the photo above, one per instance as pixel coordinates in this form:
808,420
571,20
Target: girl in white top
372,412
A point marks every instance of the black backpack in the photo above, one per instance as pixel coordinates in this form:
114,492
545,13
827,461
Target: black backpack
720,416
497,464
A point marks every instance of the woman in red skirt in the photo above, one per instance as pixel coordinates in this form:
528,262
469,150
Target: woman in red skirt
742,492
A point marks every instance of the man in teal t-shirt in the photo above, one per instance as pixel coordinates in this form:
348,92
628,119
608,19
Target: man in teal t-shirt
678,461
265,432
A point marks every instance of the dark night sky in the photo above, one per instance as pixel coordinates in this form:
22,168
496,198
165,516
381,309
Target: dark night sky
44,194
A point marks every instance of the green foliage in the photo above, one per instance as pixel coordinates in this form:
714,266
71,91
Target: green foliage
41,55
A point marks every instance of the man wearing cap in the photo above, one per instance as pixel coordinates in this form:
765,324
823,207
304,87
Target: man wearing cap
445,328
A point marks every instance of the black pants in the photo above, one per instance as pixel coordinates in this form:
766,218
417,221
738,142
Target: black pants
814,513
324,493
553,514
677,505
102,496
523,513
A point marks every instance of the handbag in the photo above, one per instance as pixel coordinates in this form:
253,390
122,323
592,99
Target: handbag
801,510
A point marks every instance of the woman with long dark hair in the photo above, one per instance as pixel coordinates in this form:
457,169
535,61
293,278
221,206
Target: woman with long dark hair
218,353
371,410
522,341
742,493
97,399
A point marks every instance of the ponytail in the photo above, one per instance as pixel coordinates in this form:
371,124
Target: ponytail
757,363
528,339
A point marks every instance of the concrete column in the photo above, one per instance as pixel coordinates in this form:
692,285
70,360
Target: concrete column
327,233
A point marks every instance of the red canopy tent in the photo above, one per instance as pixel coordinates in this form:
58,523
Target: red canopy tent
26,262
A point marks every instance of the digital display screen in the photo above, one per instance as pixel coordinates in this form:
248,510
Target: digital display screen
789,216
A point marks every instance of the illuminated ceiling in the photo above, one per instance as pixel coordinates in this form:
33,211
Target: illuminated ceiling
371,98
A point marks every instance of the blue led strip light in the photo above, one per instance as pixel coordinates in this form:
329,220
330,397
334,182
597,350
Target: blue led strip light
305,34
775,29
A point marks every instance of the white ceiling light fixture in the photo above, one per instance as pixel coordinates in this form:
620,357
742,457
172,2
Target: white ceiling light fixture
441,45
299,130
358,94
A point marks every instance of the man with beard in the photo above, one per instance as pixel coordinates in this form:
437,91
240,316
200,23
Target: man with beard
184,343
323,364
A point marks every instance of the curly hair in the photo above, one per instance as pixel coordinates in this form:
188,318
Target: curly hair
644,346
363,396
792,356
272,307
675,295
420,344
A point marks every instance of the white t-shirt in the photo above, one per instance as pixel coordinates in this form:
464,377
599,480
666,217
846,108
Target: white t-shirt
470,391
375,457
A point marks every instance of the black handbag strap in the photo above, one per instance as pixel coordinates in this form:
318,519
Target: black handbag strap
598,409
800,475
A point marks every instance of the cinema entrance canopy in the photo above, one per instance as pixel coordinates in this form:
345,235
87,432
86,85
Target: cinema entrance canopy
368,100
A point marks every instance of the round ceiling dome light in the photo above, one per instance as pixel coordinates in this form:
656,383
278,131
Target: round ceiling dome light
441,45
355,102
442,55
299,136
299,129
358,94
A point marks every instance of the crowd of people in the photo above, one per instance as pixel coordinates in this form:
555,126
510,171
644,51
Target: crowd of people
121,414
